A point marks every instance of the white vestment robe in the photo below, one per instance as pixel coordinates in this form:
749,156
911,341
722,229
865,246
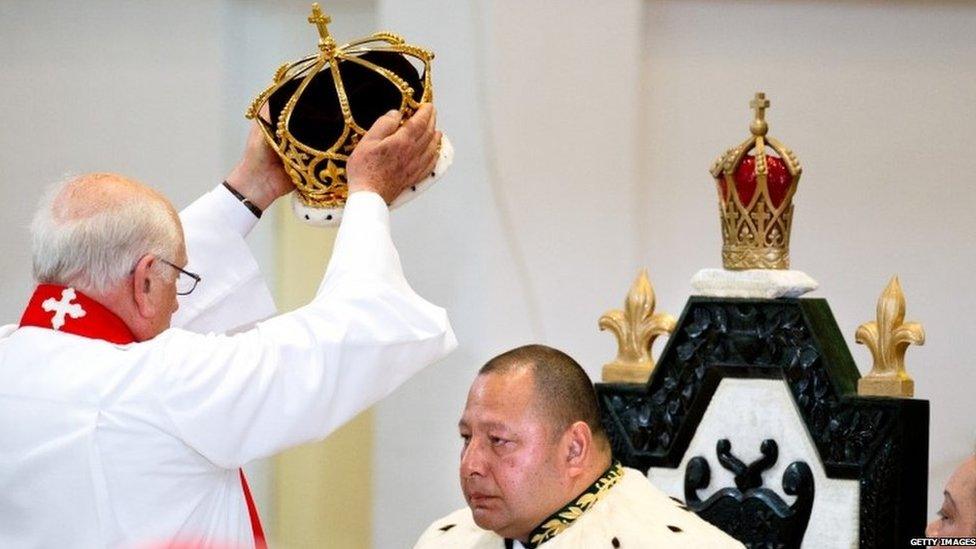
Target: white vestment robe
632,515
139,445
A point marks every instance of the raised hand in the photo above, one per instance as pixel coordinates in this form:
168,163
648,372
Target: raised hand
391,157
260,175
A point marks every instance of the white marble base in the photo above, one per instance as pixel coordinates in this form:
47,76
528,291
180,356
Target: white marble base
331,217
764,283
748,411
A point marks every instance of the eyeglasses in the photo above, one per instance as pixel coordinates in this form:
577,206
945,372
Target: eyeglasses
186,282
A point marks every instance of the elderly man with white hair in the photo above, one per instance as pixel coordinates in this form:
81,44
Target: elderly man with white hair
119,428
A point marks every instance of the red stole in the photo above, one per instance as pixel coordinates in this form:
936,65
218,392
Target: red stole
67,310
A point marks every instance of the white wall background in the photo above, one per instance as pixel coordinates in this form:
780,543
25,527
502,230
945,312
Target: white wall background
104,86
876,99
584,130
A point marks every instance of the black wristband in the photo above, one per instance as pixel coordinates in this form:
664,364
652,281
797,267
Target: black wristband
247,203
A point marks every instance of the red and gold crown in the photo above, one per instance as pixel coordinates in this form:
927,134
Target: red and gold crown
756,182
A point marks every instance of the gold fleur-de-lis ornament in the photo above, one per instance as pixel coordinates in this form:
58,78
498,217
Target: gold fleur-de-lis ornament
888,338
636,327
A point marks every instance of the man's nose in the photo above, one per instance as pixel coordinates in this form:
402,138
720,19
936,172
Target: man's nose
932,530
472,459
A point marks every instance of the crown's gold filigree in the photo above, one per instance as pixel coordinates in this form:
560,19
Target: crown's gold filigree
888,338
320,176
756,197
636,327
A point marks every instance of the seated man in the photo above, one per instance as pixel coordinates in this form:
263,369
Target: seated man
957,517
537,470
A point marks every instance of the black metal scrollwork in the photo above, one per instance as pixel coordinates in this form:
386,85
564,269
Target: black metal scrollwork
750,511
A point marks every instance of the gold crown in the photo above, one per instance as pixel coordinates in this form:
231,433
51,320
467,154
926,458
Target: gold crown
320,175
756,198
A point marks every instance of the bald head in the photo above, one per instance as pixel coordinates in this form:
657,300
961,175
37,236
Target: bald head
89,231
563,391
92,194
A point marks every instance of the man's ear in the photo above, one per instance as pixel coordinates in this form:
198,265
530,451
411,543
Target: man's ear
579,446
143,286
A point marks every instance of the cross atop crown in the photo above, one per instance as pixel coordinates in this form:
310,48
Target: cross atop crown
759,104
321,21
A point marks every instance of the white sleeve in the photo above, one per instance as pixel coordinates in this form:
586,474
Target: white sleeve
232,292
298,376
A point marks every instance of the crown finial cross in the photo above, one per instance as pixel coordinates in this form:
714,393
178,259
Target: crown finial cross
759,104
320,20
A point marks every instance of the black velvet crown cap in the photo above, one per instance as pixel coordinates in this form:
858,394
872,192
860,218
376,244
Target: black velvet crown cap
317,120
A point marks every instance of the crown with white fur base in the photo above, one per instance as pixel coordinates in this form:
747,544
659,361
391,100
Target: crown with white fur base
330,217
321,105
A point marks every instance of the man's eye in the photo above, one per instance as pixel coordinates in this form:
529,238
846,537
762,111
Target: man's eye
497,441
466,439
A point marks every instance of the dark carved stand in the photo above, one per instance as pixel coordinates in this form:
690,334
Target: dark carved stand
881,442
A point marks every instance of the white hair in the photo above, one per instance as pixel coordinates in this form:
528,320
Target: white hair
95,252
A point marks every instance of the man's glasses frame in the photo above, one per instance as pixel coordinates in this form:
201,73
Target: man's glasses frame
194,276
